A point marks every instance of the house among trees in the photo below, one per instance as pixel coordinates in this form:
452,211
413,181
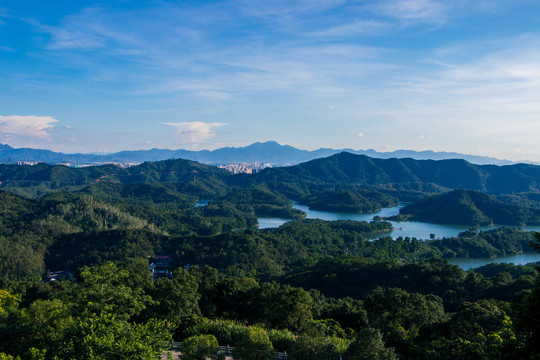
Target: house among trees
161,267
58,276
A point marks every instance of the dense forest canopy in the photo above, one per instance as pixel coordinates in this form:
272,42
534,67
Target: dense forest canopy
468,207
311,288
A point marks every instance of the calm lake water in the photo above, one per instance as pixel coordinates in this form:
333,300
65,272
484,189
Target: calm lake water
202,203
417,229
521,259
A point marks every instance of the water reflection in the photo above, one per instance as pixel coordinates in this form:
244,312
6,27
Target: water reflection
271,222
471,263
416,229
202,203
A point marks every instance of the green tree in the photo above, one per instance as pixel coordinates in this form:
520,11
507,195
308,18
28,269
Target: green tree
4,356
451,349
394,309
313,346
318,341
104,289
369,345
8,302
200,347
279,306
175,299
527,318
481,317
255,345
107,337
527,313
46,324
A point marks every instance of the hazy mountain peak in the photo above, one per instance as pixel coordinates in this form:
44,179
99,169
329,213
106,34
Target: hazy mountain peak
264,152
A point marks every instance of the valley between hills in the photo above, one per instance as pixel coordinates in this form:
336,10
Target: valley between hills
312,289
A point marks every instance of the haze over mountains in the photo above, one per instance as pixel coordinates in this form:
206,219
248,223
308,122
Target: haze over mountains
268,152
341,182
339,169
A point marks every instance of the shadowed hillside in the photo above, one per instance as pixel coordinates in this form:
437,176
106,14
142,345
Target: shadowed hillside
466,207
346,168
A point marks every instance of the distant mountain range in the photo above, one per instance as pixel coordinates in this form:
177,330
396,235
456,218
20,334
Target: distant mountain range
343,169
341,181
268,152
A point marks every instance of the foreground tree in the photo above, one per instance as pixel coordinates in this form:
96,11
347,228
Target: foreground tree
527,315
369,345
106,337
104,290
200,347
255,345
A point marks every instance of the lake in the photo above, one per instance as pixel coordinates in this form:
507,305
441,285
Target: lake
417,229
202,203
272,222
520,259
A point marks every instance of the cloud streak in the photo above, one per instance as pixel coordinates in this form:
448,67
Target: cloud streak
428,11
28,126
194,132
385,65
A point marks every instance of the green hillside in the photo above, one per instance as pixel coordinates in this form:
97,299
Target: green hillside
350,199
346,168
467,207
189,176
407,179
308,287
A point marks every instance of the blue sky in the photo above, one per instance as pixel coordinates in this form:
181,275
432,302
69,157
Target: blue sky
83,76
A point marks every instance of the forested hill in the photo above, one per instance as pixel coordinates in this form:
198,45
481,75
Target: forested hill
171,171
312,288
467,207
346,168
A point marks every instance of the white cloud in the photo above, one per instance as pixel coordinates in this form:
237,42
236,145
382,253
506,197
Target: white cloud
352,29
284,8
194,132
360,134
66,39
3,14
215,95
29,126
522,152
428,11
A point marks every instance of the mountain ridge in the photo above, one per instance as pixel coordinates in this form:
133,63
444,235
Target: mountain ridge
330,173
361,170
468,207
264,152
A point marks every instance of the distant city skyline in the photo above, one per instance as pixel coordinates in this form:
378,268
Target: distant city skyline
94,77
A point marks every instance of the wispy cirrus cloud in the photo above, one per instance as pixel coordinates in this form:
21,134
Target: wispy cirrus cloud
431,11
194,132
278,61
28,126
90,29
173,50
280,9
354,28
461,97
